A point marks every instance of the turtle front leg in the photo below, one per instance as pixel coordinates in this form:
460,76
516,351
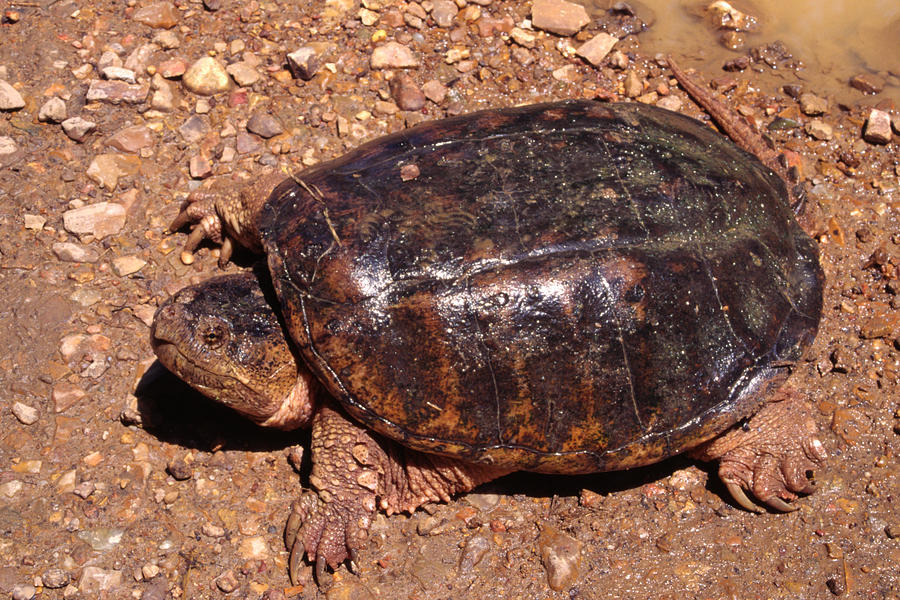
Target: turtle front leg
353,475
773,455
225,214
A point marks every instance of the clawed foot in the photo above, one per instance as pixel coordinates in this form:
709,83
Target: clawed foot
774,475
774,456
199,209
328,532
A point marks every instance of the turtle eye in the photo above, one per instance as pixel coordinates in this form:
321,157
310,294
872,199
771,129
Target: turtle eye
213,334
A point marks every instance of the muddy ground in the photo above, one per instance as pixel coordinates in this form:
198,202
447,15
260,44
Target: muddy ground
118,481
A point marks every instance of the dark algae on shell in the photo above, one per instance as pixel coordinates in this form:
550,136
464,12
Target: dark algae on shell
564,287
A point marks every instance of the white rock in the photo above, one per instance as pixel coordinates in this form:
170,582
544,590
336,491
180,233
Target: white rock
120,73
69,252
78,128
10,98
206,77
11,488
100,219
27,415
7,145
34,222
393,55
53,111
95,580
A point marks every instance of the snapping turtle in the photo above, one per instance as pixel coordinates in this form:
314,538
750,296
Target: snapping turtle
568,287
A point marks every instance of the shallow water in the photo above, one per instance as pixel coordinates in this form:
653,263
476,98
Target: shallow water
833,40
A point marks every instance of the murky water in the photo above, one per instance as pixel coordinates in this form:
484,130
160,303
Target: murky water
834,40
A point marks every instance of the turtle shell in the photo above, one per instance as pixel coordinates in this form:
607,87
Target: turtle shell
566,287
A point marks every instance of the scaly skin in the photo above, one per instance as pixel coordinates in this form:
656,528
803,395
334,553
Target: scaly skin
354,474
773,455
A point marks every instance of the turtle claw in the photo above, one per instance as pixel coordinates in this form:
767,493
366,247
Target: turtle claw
354,559
321,564
199,210
780,505
737,492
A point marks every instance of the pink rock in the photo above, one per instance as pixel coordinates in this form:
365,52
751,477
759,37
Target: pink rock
116,92
162,15
172,68
131,139
393,55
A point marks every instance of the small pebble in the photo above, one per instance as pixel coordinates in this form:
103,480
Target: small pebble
69,252
149,571
596,49
243,73
406,93
118,73
117,92
179,469
66,395
213,530
393,55
561,556
878,127
409,172
303,63
84,489
32,222
813,105
473,552
443,12
10,98
131,139
7,146
200,167
672,103
206,77
193,129
55,578
246,143
523,37
23,591
100,219
264,125
53,111
127,265
559,16
227,582
167,39
162,15
77,128
26,415
819,129
172,68
868,83
634,84
435,91
95,580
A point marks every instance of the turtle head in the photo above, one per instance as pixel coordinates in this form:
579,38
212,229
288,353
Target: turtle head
226,213
223,337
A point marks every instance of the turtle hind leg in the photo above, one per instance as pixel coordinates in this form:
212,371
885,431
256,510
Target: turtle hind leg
353,475
773,455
